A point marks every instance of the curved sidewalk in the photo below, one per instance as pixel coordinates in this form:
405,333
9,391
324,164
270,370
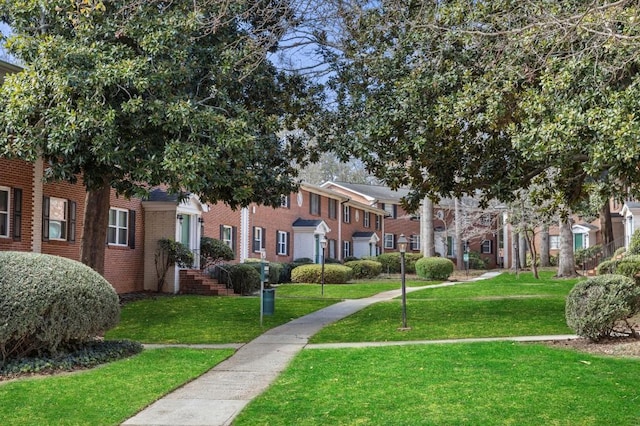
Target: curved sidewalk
216,397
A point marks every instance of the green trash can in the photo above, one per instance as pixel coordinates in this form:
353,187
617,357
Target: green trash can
268,301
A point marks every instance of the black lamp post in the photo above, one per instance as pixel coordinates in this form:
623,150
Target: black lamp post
402,247
323,245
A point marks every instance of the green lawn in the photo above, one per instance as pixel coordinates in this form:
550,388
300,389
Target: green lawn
502,306
472,384
106,395
199,319
357,290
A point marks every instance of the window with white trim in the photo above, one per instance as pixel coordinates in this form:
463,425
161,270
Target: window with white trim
451,246
392,209
346,214
366,220
227,235
389,241
554,242
285,201
486,247
4,212
57,218
346,249
333,208
283,243
378,222
258,239
415,242
118,232
332,249
314,204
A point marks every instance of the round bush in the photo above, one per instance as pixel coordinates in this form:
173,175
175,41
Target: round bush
634,243
629,266
607,267
594,306
434,268
391,262
49,302
333,274
365,268
244,277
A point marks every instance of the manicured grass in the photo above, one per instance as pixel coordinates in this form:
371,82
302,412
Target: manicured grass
491,308
358,290
197,319
504,285
473,384
107,395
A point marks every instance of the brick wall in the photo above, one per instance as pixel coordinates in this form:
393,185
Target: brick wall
124,266
18,174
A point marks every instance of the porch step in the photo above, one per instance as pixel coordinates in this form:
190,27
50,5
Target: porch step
193,281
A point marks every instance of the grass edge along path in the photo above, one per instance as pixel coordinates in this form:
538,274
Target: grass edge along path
106,395
476,383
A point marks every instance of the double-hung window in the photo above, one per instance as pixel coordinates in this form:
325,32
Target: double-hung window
118,233
4,212
389,241
415,242
58,219
282,248
258,239
333,208
314,206
346,214
366,220
486,247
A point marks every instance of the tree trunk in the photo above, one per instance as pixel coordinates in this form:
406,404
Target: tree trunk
522,247
530,236
428,236
545,258
566,260
606,228
459,242
95,223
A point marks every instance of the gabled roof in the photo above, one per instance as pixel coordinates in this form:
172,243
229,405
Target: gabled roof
325,191
372,192
162,196
306,222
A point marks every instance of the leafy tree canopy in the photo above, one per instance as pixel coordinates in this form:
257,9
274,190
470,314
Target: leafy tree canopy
462,96
135,94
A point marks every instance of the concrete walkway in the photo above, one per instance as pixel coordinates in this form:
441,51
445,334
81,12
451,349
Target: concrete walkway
216,397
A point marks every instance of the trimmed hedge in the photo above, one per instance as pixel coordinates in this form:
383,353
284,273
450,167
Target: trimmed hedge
391,262
49,303
333,274
594,306
244,278
275,270
434,268
365,268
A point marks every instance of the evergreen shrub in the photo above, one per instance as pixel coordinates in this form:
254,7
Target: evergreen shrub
391,262
634,243
607,267
333,274
48,303
244,278
434,268
594,306
629,266
364,268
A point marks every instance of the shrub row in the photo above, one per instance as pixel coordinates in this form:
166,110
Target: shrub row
333,274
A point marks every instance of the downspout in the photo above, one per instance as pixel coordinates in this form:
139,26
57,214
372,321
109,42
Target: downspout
36,202
244,234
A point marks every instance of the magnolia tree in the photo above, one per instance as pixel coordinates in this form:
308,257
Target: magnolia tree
127,95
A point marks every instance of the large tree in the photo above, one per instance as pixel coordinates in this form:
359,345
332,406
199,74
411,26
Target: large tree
461,96
129,95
